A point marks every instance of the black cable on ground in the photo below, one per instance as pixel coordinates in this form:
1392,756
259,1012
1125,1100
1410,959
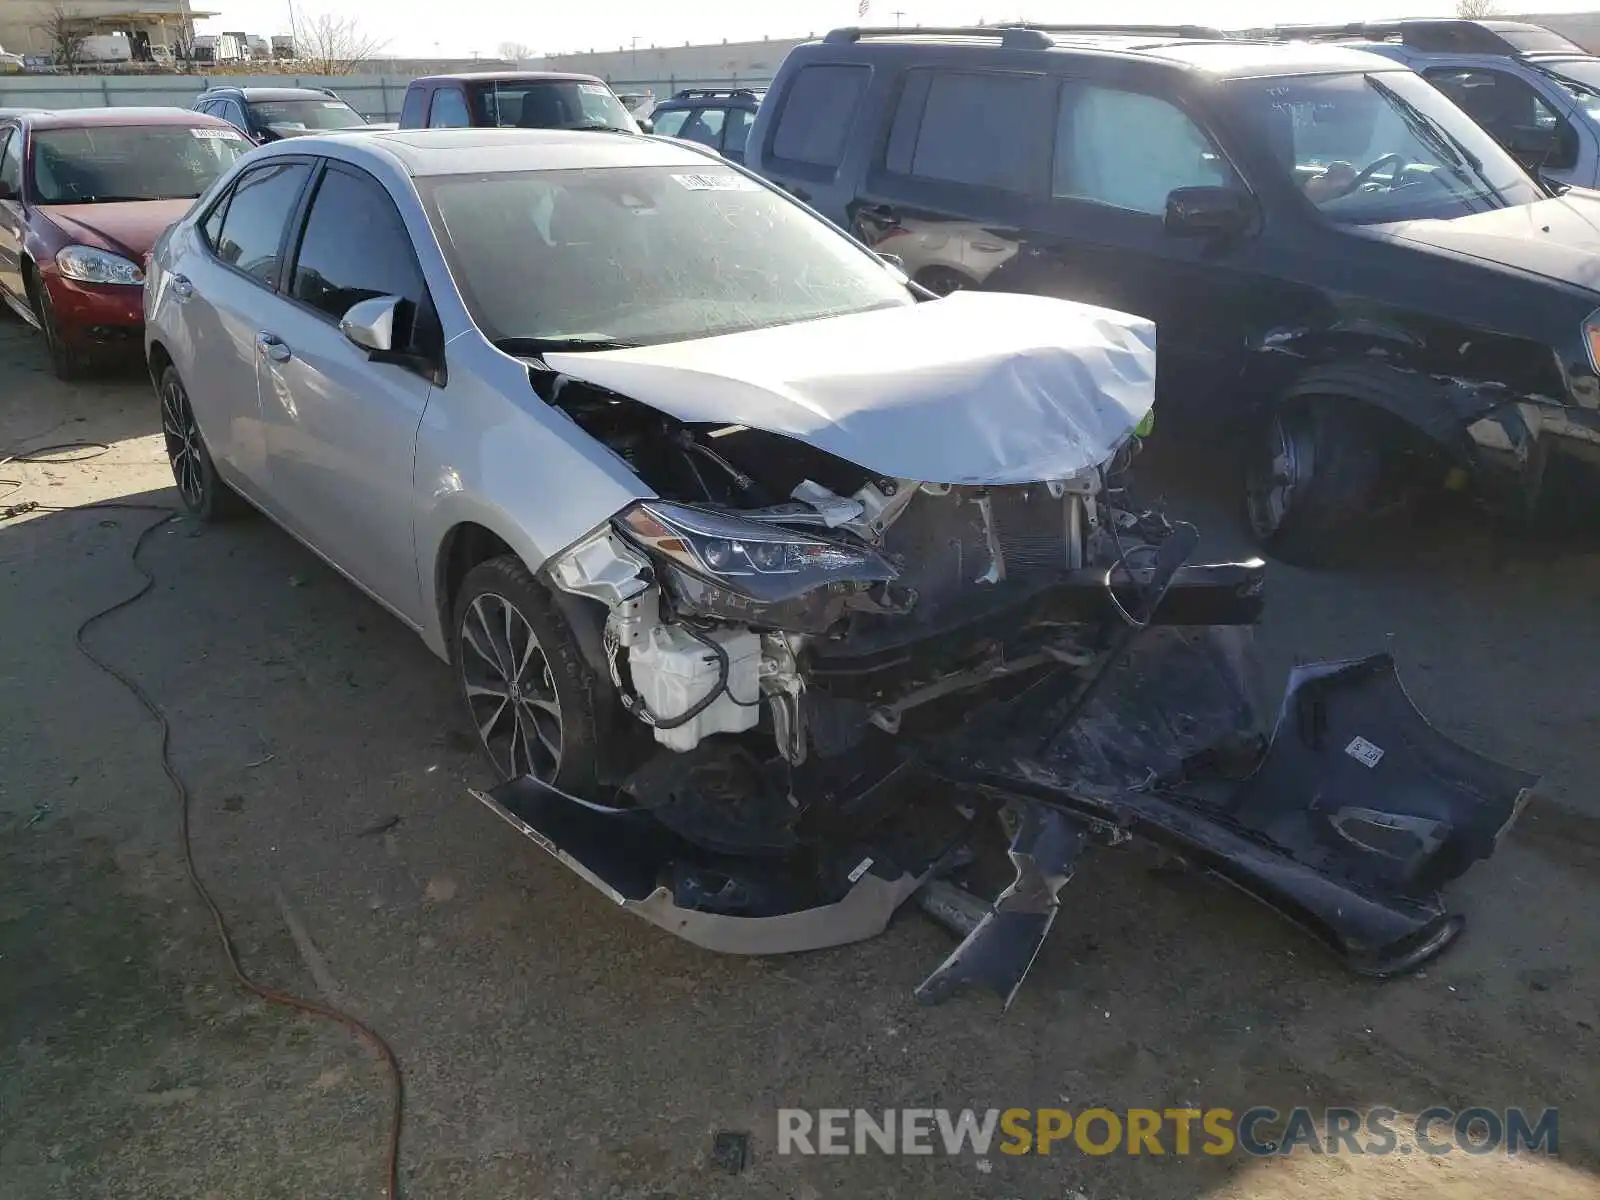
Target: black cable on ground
269,995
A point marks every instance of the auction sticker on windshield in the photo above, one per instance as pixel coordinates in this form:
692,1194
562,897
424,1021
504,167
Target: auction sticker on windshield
718,183
209,134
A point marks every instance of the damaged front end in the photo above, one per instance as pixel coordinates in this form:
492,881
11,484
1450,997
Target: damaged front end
833,683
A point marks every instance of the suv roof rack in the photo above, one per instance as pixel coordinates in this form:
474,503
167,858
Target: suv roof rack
1025,35
1188,33
1440,35
686,93
1010,36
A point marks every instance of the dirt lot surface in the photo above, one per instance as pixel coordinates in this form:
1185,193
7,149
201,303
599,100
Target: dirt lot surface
554,1047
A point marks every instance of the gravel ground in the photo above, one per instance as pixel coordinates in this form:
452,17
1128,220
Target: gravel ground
554,1047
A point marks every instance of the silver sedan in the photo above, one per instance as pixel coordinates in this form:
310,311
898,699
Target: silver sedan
713,514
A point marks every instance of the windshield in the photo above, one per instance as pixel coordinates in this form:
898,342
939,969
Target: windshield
302,116
1381,147
638,255
1581,77
130,162
549,104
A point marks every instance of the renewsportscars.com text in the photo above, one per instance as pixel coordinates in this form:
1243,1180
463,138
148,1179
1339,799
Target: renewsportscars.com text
1258,1131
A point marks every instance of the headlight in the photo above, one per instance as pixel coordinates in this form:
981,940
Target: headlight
761,562
1591,339
88,265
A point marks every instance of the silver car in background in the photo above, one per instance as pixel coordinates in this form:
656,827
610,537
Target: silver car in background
738,542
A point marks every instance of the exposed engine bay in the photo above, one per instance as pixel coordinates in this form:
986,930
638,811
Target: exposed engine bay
831,682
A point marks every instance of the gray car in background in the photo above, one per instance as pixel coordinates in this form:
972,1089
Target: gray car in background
732,537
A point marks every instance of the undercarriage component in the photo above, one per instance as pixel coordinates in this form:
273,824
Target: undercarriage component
999,951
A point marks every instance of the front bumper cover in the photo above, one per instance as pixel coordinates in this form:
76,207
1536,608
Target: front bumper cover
1347,817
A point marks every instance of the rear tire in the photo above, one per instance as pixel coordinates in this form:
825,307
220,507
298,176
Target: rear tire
1313,476
205,496
531,697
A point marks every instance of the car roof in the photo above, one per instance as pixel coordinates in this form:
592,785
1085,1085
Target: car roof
266,93
430,152
1185,47
79,118
508,77
712,97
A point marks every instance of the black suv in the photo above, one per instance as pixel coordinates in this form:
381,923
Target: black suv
1332,251
719,119
265,114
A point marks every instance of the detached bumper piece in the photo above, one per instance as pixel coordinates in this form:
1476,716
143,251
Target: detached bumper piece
806,900
1347,821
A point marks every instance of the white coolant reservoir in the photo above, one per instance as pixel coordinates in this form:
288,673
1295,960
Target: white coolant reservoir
672,671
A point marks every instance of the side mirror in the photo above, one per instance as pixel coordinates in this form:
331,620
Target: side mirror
646,125
370,324
1208,212
1530,147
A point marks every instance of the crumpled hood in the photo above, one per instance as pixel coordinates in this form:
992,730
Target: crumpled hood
1558,239
976,388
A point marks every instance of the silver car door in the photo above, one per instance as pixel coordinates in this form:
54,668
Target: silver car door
11,212
224,271
342,422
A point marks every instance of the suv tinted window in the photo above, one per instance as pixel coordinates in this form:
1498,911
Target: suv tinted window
668,123
1512,112
1129,150
355,247
817,114
449,110
737,131
258,210
705,127
413,107
966,128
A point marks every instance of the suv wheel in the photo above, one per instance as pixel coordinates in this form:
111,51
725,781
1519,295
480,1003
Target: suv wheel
530,695
1311,479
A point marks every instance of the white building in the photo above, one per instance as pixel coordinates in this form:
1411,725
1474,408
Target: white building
25,24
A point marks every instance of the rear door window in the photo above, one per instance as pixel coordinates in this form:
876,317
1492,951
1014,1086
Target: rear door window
11,160
258,210
1512,112
449,110
818,112
980,130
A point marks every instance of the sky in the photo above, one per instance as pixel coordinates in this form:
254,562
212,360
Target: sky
425,28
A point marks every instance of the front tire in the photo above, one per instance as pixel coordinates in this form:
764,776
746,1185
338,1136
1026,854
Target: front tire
66,360
204,494
533,700
1312,479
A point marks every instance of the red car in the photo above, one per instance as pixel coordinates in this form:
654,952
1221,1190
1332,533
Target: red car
84,195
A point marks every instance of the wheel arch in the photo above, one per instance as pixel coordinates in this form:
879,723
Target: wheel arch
1415,406
472,541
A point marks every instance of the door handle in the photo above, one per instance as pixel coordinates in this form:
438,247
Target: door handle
181,287
271,346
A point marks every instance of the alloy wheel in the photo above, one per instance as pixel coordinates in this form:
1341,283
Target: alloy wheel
183,444
1279,468
510,689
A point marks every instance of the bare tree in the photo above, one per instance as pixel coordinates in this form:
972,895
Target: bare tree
1476,10
63,29
330,45
515,51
